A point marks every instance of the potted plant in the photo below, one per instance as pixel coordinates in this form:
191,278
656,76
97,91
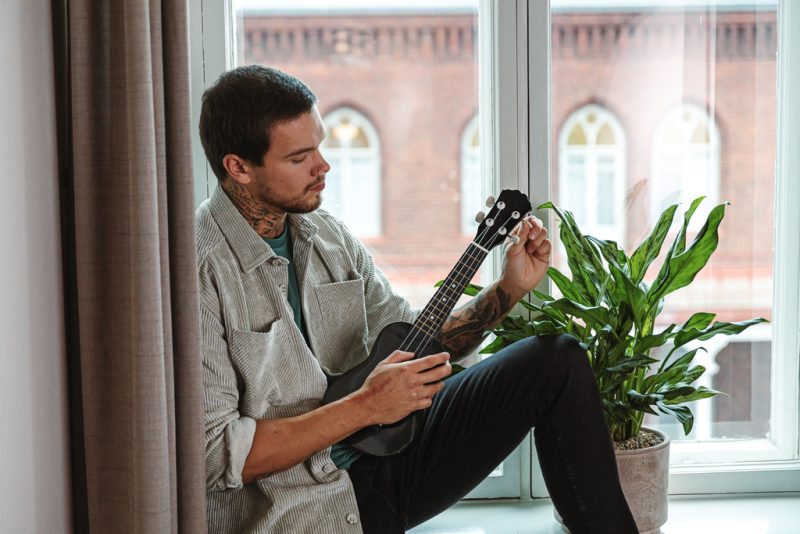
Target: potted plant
607,304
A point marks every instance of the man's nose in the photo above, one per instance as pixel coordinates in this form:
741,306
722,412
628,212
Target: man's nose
324,167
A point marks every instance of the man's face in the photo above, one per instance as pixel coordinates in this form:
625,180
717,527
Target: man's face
292,175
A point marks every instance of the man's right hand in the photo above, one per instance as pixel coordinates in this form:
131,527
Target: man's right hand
400,385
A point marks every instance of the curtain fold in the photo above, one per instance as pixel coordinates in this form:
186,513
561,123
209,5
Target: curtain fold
135,259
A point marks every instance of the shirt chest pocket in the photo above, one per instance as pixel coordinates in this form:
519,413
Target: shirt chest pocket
344,325
267,365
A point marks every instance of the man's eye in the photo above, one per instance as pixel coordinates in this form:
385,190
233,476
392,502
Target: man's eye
298,160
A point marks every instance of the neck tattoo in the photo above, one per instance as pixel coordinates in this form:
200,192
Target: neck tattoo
266,223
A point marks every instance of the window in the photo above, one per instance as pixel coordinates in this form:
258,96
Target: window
685,162
470,176
353,191
704,72
592,172
400,79
694,84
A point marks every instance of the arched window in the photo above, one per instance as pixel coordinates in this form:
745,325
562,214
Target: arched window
471,201
353,188
592,172
685,163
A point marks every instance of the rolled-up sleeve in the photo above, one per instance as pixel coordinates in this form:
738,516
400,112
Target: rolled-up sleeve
228,435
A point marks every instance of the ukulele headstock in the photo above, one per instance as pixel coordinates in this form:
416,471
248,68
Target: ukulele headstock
506,211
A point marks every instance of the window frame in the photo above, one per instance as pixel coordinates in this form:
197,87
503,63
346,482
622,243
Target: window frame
466,154
211,50
514,94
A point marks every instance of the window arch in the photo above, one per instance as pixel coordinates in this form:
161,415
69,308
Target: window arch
470,176
685,162
592,154
353,188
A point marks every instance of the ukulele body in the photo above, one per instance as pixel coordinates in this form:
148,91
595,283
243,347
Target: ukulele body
380,440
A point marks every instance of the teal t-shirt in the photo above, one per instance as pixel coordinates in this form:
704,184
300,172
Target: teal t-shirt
342,455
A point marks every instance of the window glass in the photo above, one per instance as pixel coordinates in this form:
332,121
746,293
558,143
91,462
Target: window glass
400,82
353,187
592,151
685,162
655,103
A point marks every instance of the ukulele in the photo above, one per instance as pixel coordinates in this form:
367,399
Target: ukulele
384,440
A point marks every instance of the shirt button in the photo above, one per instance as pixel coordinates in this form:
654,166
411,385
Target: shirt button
329,468
352,519
282,287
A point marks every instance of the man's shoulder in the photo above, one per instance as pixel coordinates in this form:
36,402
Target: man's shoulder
207,232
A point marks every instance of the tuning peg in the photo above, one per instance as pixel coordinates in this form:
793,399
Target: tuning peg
479,217
489,201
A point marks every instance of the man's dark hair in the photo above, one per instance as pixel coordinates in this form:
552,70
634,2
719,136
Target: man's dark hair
241,107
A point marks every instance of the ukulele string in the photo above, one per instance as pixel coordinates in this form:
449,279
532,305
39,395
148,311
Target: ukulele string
410,339
430,311
448,285
433,306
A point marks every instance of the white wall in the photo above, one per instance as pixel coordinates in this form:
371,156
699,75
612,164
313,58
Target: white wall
34,453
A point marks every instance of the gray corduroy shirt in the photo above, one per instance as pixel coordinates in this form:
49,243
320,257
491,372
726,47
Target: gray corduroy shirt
258,366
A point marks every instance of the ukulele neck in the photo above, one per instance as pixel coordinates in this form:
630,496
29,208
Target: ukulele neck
435,313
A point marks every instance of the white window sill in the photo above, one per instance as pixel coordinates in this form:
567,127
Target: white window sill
731,514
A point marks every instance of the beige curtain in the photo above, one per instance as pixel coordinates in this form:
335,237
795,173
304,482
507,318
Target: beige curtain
139,410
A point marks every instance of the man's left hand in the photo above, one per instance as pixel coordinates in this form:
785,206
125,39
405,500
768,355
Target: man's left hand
525,262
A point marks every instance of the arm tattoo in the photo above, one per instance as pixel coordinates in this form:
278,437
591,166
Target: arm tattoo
466,327
266,223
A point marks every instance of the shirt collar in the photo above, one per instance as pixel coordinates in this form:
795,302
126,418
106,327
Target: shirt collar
248,247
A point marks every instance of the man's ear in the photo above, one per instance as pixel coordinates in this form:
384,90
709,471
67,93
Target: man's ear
237,168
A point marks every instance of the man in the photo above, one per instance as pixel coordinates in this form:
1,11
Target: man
289,296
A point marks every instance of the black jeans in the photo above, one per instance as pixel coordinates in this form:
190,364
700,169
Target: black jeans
480,416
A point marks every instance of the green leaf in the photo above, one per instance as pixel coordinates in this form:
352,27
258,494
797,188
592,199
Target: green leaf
631,363
565,285
693,373
650,248
700,393
654,340
673,391
681,239
542,296
528,306
582,258
699,320
626,291
643,402
683,360
611,252
682,413
690,334
682,266
594,315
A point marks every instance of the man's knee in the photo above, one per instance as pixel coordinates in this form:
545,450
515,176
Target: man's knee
561,352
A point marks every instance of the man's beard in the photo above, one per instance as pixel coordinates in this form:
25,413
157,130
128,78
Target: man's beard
301,205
